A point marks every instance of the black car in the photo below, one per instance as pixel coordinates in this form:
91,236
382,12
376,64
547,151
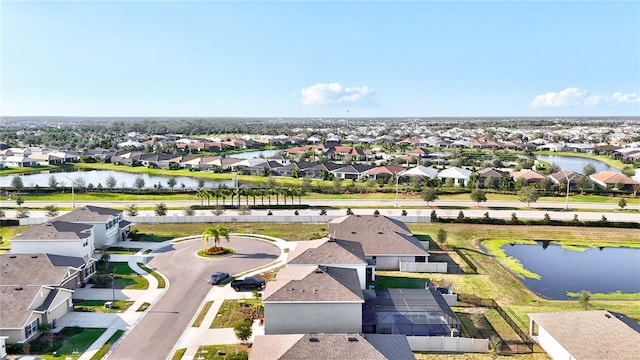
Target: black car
248,283
218,277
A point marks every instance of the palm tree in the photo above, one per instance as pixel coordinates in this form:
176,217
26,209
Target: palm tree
201,194
216,233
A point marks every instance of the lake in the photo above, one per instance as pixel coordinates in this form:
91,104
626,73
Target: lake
576,164
598,270
125,180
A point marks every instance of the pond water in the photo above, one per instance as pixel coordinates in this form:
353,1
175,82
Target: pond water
255,154
125,180
576,164
598,270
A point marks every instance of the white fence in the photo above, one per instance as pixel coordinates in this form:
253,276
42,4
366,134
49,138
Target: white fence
448,344
423,267
235,219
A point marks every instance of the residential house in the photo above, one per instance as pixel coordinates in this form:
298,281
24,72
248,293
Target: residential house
490,177
320,170
386,242
46,159
384,171
613,180
421,171
34,290
572,177
56,237
109,226
330,347
527,176
331,252
288,170
18,161
313,299
586,335
419,152
352,172
460,176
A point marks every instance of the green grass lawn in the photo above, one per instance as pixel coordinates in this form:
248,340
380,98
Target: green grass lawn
98,305
202,314
161,283
71,342
222,352
104,349
233,311
126,278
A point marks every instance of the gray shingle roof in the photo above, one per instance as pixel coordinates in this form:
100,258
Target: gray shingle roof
330,252
591,335
55,230
28,273
315,284
378,235
90,213
330,347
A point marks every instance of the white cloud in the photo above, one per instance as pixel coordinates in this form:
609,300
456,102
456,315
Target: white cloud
568,97
625,98
575,96
335,93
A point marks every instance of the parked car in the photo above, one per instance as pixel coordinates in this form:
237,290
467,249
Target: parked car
248,283
218,277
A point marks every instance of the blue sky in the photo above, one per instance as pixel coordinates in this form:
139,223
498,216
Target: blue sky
320,59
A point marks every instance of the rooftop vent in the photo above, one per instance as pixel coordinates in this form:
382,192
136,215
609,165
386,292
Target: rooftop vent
380,232
607,316
319,271
12,257
19,288
314,339
34,256
352,339
353,232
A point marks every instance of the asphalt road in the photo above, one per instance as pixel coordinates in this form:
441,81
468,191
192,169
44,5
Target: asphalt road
160,329
370,203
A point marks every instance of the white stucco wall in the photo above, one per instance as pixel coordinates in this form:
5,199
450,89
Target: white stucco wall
56,247
391,262
553,348
302,318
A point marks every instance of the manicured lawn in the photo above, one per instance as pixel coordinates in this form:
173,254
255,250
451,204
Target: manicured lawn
222,352
104,349
161,283
98,305
71,342
7,233
126,278
119,250
233,311
202,314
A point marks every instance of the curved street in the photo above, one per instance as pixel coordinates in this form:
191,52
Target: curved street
154,336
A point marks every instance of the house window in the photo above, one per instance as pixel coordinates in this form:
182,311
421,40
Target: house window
421,259
534,329
31,329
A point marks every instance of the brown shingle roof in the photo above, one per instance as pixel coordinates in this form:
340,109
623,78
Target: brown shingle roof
591,335
331,347
330,252
27,272
378,235
315,284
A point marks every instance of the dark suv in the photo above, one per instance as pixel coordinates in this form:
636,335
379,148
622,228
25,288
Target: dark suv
248,283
